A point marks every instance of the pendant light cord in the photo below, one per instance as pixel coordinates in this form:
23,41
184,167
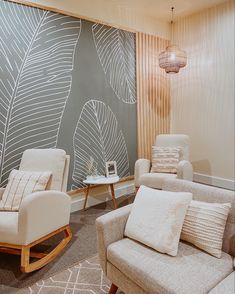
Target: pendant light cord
172,21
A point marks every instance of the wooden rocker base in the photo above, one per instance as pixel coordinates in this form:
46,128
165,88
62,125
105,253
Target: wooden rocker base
45,258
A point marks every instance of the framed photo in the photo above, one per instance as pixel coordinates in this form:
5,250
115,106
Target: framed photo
111,169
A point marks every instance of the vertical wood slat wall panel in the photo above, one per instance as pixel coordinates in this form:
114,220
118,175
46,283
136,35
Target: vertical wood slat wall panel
153,93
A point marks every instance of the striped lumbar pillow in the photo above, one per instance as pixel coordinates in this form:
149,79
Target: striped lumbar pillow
165,159
204,225
21,184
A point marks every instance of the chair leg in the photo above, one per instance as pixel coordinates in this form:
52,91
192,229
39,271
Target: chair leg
25,257
113,289
28,267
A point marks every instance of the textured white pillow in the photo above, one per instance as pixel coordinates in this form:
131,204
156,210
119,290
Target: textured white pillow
157,217
204,225
165,159
20,184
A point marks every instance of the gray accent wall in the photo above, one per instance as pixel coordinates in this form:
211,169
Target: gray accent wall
66,83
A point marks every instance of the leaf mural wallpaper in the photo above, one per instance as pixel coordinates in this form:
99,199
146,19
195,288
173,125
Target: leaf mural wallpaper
115,50
97,136
35,78
51,68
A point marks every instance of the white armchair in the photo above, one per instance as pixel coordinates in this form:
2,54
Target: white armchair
41,214
155,180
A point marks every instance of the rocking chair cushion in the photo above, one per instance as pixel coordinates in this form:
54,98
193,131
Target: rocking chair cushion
20,184
40,160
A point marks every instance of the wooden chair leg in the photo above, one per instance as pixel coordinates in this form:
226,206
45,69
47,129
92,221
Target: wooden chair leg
113,289
25,257
28,267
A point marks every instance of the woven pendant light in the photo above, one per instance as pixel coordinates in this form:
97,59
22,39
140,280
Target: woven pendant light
173,58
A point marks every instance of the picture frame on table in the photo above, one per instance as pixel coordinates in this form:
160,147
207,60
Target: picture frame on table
111,169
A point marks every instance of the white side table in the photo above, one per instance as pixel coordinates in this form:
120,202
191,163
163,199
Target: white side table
102,181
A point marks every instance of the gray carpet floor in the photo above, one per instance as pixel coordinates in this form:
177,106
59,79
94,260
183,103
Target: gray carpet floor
82,246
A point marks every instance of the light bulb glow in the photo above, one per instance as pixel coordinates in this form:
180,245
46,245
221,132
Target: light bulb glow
172,56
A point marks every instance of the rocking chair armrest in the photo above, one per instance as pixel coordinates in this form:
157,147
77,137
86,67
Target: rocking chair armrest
185,170
1,192
142,166
41,213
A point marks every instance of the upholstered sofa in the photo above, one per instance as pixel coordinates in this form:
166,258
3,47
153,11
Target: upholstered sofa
137,269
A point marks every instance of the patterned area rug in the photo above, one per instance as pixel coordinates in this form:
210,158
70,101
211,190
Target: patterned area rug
85,277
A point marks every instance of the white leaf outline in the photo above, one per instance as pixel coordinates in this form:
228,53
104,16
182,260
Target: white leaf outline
39,69
116,51
96,134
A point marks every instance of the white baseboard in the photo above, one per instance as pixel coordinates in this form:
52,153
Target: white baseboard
214,181
77,203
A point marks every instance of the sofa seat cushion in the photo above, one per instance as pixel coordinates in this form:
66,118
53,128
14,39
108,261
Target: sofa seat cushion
155,180
191,271
9,227
226,286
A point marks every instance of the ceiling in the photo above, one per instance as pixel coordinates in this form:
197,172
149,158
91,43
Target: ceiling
161,9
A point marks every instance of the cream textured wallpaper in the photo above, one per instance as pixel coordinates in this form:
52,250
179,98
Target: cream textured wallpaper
203,92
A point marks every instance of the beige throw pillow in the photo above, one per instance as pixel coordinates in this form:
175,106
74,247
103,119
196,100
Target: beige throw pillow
157,217
165,159
204,225
20,184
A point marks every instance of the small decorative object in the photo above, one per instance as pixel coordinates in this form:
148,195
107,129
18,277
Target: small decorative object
173,58
91,168
111,169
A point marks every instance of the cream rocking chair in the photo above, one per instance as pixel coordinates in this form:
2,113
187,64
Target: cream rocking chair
41,214
143,176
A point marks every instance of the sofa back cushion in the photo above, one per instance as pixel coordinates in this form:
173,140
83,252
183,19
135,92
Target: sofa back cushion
210,194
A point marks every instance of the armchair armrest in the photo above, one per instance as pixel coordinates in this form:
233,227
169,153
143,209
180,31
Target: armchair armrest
1,192
110,228
185,170
42,213
142,166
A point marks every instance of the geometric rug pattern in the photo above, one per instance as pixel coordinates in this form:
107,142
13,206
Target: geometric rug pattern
85,277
